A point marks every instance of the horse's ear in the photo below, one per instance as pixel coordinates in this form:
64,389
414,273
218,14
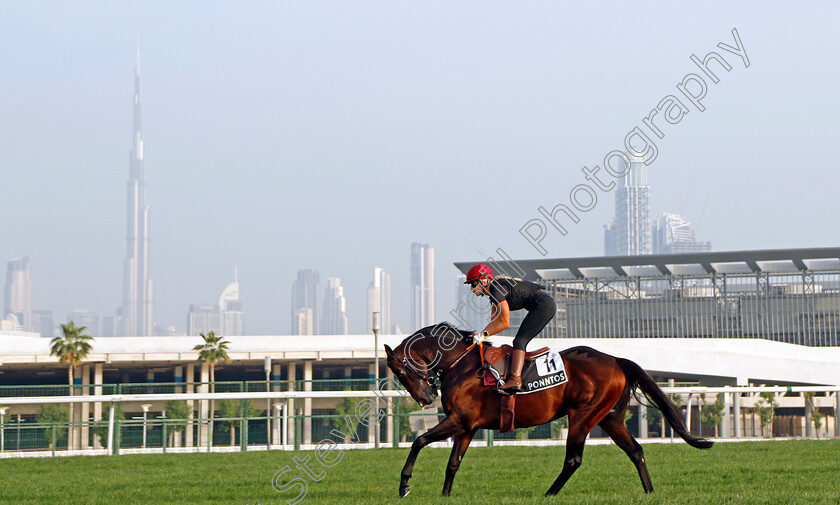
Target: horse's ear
389,351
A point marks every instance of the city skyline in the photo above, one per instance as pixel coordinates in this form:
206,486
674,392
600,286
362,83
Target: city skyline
267,150
634,231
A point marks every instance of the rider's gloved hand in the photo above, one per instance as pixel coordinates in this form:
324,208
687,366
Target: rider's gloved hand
480,337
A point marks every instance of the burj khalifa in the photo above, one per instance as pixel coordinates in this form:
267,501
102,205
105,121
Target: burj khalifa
137,314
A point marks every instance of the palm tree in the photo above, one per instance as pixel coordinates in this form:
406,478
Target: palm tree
71,349
212,351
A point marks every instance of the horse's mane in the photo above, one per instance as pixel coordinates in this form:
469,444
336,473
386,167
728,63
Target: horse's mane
444,328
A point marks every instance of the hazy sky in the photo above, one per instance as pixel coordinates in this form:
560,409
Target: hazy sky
332,135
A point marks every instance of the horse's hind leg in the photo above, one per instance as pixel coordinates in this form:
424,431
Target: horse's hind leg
462,443
574,456
613,424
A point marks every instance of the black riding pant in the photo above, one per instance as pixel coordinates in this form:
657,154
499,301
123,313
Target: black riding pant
543,308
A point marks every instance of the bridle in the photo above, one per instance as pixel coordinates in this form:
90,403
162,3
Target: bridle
434,373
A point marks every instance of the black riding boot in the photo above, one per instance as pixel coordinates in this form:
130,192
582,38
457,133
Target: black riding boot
513,384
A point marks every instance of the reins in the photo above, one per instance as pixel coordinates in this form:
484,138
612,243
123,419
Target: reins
429,377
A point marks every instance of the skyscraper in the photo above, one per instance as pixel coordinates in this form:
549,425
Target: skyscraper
422,286
42,322
306,303
137,310
232,319
18,292
86,318
629,232
203,319
224,318
302,321
379,300
672,234
334,320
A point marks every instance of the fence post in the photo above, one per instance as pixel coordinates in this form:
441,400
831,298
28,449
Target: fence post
837,413
285,434
243,428
298,429
736,414
54,440
165,441
396,415
725,426
111,428
489,438
117,435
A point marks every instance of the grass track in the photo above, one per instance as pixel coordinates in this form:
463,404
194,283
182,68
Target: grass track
780,472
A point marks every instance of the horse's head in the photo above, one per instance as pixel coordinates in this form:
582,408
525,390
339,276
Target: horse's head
416,360
416,377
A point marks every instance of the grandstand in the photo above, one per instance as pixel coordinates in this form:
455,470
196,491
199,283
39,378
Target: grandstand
785,295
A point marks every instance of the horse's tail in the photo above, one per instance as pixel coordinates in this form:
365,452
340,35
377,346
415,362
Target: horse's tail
638,377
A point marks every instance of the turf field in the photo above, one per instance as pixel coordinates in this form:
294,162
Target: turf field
772,472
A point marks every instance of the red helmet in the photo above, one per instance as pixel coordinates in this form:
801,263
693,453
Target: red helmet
480,271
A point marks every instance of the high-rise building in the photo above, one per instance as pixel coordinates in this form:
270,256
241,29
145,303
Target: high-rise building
334,308
672,234
42,322
18,292
86,318
422,286
629,233
306,295
303,321
232,319
203,319
379,300
110,326
137,311
224,318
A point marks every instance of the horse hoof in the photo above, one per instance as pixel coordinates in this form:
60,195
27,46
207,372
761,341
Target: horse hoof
404,491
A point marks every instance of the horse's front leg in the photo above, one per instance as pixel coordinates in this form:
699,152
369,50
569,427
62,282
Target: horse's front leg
462,443
447,428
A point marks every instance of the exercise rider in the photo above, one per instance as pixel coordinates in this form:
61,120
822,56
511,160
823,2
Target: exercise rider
507,294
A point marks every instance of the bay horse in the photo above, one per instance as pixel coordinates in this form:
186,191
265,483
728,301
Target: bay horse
598,391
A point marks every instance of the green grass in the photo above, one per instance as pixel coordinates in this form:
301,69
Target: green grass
797,471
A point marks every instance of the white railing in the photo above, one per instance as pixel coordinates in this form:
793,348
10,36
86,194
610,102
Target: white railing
734,397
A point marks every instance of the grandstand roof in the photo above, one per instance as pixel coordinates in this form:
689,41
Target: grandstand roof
767,260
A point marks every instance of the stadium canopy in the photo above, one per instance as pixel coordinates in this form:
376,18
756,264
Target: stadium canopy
708,263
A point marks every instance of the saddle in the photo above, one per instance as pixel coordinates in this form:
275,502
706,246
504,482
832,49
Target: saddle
499,357
494,368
